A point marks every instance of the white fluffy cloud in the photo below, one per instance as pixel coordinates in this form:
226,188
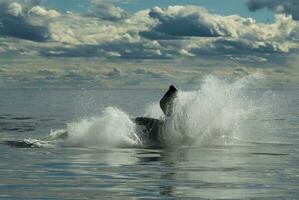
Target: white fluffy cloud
39,11
109,47
14,9
23,21
190,21
156,33
210,33
106,10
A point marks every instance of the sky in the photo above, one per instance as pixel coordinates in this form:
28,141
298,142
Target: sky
146,43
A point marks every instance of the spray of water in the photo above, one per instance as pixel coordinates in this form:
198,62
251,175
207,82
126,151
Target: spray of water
209,115
113,128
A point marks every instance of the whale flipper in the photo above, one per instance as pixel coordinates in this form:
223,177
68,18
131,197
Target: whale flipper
166,103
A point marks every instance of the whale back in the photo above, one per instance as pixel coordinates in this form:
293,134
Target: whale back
149,130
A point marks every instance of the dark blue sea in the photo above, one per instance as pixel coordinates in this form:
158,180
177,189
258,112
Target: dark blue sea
226,140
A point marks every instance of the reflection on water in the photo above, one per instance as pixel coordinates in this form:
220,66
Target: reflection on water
234,172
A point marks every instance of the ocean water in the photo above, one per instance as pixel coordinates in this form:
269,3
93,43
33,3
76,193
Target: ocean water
225,140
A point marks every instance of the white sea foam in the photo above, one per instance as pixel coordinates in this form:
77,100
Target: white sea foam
113,128
36,143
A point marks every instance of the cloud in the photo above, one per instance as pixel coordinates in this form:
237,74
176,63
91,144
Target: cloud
25,22
107,47
290,7
125,46
169,33
188,21
38,11
106,10
151,73
157,33
194,31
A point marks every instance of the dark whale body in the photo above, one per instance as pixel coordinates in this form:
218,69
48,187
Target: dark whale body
149,130
19,144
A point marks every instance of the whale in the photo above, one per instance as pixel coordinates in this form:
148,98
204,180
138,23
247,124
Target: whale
149,130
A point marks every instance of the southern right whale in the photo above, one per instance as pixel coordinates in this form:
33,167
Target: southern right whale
151,129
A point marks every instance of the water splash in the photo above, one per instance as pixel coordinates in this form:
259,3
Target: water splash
113,128
210,115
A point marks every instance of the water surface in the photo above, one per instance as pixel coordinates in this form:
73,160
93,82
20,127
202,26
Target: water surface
254,156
